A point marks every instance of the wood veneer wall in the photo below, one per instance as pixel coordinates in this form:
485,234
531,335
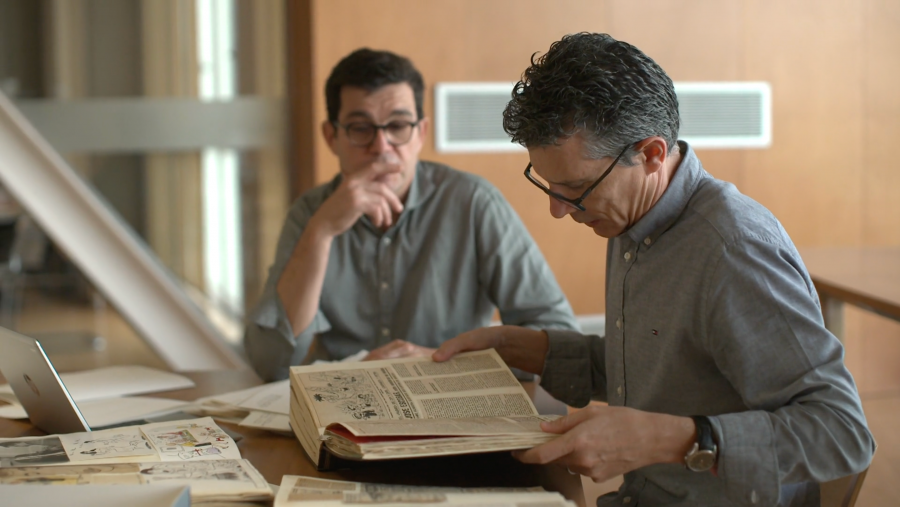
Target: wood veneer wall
829,176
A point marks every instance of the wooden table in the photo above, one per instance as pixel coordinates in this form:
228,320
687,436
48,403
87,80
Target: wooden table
867,277
276,455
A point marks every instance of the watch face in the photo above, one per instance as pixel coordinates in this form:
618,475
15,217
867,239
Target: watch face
701,461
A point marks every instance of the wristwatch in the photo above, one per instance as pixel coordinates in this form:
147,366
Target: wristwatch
702,456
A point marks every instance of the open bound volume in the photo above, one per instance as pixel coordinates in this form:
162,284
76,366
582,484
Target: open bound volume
412,407
298,491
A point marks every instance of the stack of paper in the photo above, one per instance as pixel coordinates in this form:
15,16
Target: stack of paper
265,407
298,491
195,453
100,394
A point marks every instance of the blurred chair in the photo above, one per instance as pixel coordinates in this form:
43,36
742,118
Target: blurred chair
842,492
24,264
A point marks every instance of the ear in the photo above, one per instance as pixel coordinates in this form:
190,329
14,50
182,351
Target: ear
654,152
423,127
329,132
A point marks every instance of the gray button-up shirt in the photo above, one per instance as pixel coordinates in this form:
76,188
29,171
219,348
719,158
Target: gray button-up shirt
710,311
457,251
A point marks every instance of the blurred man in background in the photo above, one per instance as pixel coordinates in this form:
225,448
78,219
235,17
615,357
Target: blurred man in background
395,255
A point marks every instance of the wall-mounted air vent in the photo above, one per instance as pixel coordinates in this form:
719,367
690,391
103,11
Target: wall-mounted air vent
725,115
469,116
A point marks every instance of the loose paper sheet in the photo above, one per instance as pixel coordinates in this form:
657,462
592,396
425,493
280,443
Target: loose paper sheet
274,397
268,421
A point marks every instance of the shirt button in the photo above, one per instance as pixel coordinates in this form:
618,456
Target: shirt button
386,241
627,256
618,323
385,331
647,241
627,499
619,390
384,286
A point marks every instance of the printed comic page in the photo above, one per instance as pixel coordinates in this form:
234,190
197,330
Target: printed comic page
189,440
225,480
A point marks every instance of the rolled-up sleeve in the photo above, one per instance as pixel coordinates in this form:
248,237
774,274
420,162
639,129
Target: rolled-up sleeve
513,270
574,368
765,331
272,346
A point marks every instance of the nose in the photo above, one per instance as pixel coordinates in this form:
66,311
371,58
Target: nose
559,209
380,143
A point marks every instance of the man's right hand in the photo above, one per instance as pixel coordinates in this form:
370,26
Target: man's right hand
363,192
520,347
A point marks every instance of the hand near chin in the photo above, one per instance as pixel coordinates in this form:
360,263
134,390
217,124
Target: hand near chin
365,192
397,349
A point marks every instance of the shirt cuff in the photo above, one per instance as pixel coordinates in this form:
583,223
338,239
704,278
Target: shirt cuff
567,368
747,461
270,314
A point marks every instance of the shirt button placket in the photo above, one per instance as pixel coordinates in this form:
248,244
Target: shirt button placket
385,274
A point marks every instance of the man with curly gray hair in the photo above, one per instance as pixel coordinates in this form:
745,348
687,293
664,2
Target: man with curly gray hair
723,385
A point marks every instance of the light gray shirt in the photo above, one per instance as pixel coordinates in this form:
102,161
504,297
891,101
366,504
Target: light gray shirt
710,311
457,251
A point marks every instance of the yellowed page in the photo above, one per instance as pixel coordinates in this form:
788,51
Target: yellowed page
474,384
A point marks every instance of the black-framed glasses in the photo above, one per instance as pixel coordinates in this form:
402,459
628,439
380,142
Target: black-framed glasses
362,133
575,203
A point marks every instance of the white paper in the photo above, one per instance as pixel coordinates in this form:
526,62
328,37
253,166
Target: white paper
115,381
267,421
359,356
157,495
14,411
109,411
274,397
234,398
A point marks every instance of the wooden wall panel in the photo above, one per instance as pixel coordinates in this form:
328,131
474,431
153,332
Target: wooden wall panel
473,40
881,183
811,177
693,40
827,176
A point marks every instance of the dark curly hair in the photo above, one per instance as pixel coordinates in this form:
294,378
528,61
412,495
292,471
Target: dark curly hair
589,82
369,69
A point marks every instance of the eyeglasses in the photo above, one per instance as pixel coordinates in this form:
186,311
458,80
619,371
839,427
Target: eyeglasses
362,133
575,203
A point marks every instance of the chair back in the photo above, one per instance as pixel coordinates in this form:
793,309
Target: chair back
842,492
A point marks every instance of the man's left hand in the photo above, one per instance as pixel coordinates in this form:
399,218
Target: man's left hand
604,442
397,349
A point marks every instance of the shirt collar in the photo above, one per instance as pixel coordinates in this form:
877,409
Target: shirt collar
422,187
673,201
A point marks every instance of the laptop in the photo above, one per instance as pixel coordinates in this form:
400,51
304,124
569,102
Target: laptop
37,385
